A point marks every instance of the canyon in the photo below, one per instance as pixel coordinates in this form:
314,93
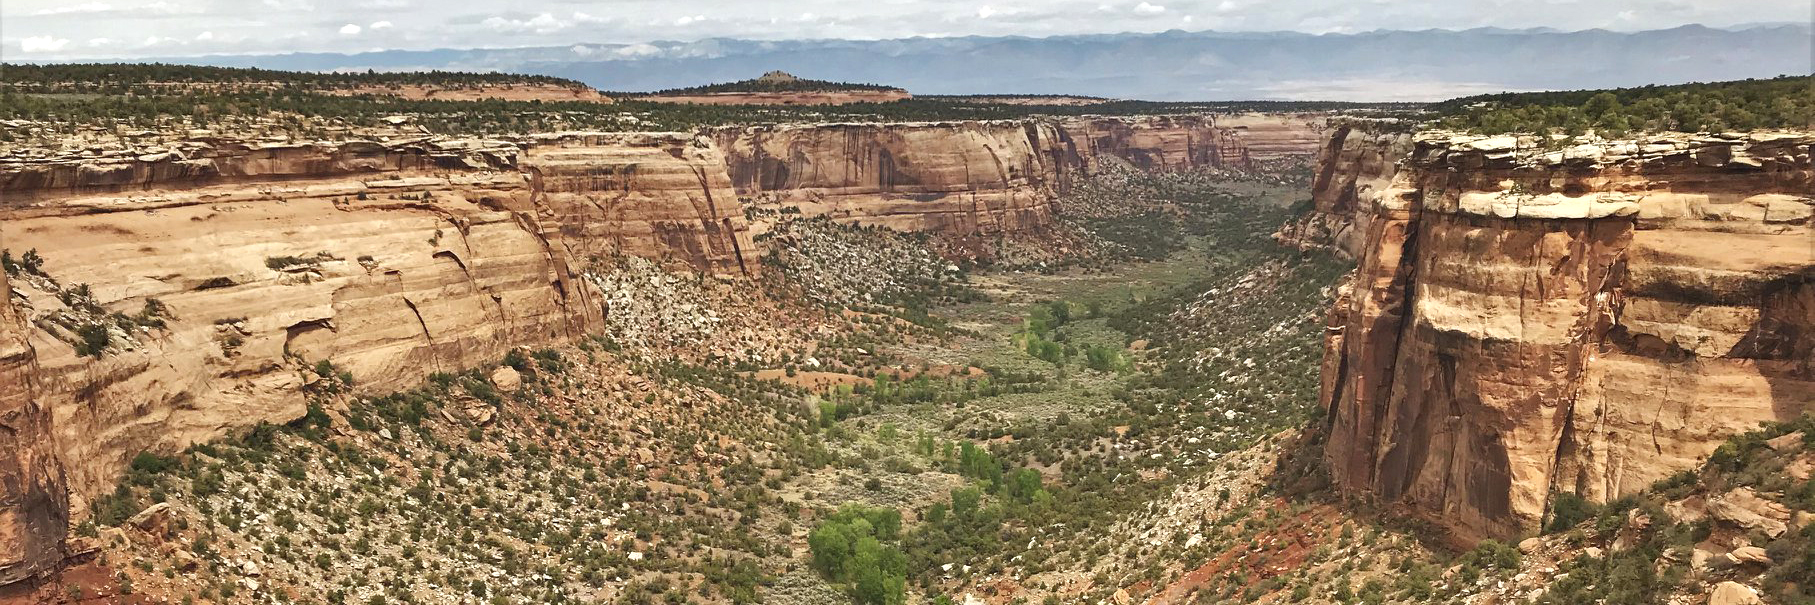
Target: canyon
1527,316
252,262
1534,316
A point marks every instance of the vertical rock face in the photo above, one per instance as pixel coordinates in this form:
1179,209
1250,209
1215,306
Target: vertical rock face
1586,319
34,510
960,178
1355,169
390,261
655,195
954,177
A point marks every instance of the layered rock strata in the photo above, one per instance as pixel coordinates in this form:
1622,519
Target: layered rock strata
958,178
1533,316
390,261
34,510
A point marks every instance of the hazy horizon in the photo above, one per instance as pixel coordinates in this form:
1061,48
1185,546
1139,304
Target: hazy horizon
48,30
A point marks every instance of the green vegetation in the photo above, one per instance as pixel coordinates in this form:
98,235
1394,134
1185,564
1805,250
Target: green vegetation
859,547
117,78
1782,102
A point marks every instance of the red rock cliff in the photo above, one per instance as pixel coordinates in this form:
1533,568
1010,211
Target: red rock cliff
34,510
1586,318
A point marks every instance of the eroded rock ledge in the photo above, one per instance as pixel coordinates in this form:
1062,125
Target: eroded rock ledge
1529,317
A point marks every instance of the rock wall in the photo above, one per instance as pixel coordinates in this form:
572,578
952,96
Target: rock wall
1354,169
1588,318
34,510
960,178
391,261
1271,137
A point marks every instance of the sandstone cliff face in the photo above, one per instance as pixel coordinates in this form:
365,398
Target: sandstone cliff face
391,261
1354,169
34,510
1270,137
959,178
1586,319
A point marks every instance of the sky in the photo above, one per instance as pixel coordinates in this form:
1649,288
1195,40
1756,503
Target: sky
122,29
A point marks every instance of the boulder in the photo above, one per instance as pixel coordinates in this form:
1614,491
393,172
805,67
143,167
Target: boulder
1743,507
507,379
1733,593
1749,554
154,519
1785,443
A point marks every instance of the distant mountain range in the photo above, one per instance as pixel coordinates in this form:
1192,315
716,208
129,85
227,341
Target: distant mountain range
1173,65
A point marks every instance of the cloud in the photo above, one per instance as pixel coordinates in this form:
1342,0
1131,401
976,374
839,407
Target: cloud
541,24
690,20
378,25
204,36
985,12
85,7
43,44
99,42
349,29
1148,9
290,5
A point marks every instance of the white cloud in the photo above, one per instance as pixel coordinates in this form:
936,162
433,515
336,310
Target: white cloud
690,20
637,50
1148,9
290,5
349,29
541,24
98,42
43,44
85,7
377,25
985,12
204,36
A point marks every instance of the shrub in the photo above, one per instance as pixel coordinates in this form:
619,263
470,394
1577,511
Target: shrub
859,546
1567,510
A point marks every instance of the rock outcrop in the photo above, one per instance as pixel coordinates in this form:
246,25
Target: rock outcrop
390,261
34,507
959,178
1533,316
1355,168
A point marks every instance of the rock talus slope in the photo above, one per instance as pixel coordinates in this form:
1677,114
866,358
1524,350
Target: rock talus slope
1528,318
